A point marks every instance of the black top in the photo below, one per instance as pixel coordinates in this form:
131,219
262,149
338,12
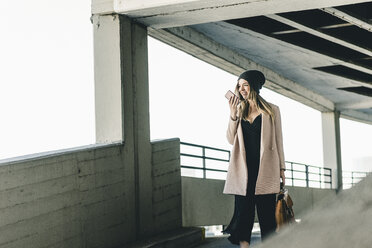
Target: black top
252,141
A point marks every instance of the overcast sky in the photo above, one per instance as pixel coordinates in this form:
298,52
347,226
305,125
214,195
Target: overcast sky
47,91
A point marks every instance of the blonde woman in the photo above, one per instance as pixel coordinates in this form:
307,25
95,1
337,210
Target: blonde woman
257,159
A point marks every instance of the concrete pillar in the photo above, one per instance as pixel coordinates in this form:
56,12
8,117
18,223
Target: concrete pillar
332,146
134,59
107,79
122,103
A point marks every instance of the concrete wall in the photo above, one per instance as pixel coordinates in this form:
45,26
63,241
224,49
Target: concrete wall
167,206
85,197
77,198
203,202
306,199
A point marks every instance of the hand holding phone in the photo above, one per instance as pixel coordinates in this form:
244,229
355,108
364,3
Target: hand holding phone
233,102
230,94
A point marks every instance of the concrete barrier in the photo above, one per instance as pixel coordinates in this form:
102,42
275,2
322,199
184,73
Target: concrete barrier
166,173
71,198
203,202
85,197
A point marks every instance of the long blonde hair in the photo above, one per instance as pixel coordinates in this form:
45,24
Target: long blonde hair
262,104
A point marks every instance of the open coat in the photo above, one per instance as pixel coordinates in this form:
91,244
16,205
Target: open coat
271,157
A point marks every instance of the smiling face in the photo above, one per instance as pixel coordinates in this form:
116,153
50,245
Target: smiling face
243,87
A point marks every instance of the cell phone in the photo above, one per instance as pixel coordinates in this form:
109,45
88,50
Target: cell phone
230,94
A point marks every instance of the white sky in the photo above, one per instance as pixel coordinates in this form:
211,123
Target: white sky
46,79
47,91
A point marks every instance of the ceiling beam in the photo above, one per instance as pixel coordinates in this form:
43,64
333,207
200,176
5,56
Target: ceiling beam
356,116
175,13
319,34
341,25
286,32
206,49
326,59
322,27
348,18
355,105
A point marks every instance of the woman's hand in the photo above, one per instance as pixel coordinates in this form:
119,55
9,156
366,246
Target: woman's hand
282,176
233,102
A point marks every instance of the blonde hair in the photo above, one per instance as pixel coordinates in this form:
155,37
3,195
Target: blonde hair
262,104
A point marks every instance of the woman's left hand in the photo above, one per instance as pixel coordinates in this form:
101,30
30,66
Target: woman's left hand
282,176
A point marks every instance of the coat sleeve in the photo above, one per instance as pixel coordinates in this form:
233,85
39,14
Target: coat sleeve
279,138
231,130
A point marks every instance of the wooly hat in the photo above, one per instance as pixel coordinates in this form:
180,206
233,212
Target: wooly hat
255,79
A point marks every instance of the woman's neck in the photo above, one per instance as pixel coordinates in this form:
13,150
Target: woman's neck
252,106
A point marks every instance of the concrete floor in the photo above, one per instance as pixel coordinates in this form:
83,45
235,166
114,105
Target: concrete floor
223,242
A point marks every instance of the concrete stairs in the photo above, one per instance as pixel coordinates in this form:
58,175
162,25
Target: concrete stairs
183,237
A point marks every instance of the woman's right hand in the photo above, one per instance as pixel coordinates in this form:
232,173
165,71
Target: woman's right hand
233,102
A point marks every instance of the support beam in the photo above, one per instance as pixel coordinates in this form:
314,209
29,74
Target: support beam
332,39
134,61
354,115
122,104
348,18
175,13
341,25
323,58
355,105
107,80
286,32
332,146
319,34
204,48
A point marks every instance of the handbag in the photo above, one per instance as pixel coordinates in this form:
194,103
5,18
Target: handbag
284,214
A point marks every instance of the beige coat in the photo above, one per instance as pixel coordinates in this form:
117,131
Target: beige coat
271,157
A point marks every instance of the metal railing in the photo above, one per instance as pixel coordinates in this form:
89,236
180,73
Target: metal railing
350,178
298,174
203,155
198,163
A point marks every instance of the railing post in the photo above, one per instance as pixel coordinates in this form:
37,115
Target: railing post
307,175
320,177
292,173
352,178
204,169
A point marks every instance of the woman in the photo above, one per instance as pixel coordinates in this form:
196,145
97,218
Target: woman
257,159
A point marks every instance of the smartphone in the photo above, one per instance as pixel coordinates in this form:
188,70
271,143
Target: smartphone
230,94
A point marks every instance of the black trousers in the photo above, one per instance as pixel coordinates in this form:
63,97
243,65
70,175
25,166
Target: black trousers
241,225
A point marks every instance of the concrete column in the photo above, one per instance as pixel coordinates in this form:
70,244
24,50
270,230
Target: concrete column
332,146
107,79
122,104
134,59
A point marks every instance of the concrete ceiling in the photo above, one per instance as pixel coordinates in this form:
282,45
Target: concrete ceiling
316,52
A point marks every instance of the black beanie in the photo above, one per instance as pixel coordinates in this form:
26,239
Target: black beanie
255,79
